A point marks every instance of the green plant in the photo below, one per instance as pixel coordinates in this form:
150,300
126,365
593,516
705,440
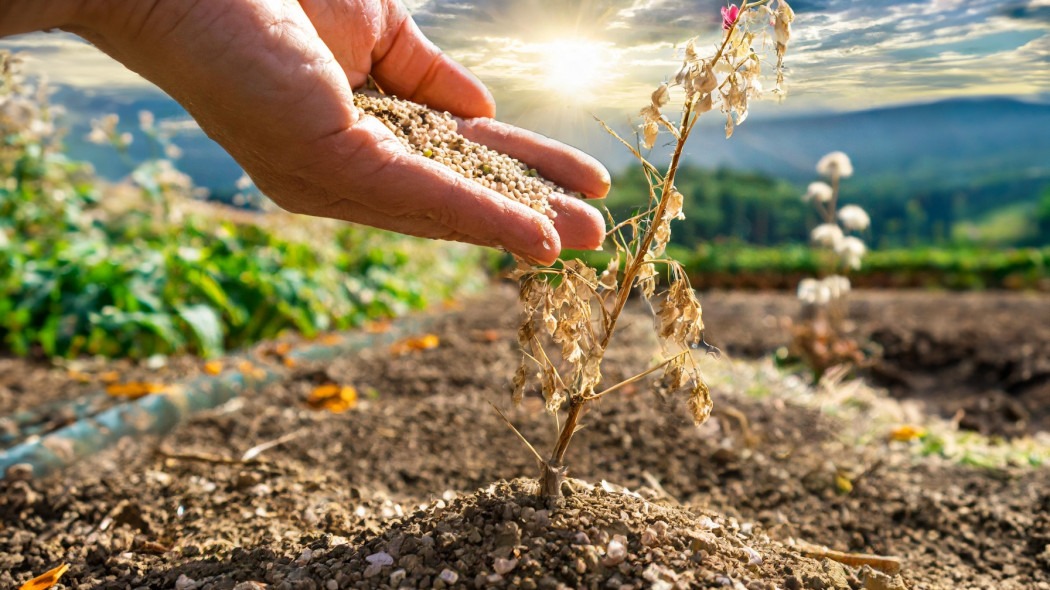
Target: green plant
574,308
144,267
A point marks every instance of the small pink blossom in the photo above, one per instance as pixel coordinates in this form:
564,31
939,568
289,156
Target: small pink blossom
729,16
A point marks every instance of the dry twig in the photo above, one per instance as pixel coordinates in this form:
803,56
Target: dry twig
885,564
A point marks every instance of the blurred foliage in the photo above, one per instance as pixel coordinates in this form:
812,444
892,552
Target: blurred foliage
737,265
724,204
1042,217
141,268
980,212
727,204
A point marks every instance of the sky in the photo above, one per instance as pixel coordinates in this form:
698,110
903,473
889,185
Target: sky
553,65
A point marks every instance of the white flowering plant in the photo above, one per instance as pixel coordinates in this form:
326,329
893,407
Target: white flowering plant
571,310
821,339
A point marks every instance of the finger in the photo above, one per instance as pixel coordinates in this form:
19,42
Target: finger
564,165
413,191
579,225
420,228
544,252
412,67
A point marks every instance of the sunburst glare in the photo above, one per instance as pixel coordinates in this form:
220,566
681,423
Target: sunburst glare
578,70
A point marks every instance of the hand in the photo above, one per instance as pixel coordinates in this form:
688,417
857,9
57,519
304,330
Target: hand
270,81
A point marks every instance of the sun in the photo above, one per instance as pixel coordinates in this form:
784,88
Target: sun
576,69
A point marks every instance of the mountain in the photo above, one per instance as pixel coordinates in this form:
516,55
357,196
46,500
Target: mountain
949,142
902,150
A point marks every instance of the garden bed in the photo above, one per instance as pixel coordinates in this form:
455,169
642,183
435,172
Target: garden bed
407,488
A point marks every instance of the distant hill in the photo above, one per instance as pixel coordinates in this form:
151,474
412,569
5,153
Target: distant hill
951,141
981,152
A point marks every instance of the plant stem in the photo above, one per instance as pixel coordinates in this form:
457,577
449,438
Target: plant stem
626,382
553,469
631,272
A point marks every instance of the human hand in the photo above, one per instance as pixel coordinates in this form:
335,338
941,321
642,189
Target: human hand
270,81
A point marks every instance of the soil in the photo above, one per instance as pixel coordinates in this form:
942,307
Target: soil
981,358
422,485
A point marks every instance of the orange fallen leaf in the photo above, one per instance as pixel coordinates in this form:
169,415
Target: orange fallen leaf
78,376
282,348
907,433
379,327
288,362
45,580
135,389
213,367
486,335
109,377
424,342
332,397
331,339
251,371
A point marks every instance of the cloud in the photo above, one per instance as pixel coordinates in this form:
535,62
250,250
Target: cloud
843,54
1032,10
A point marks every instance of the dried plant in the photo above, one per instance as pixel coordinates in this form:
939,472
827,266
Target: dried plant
570,310
821,340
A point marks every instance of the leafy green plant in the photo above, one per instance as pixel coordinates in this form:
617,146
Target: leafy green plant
145,268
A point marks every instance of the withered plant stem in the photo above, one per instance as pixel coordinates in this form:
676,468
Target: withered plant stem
626,382
553,469
639,254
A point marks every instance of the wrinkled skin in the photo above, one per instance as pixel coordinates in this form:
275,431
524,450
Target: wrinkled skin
271,80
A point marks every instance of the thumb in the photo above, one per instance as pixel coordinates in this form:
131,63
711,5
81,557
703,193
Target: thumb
413,68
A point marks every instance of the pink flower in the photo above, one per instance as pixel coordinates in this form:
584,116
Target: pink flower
729,16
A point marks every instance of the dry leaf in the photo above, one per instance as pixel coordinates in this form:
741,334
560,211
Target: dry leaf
282,348
79,376
288,362
135,389
332,397
251,371
109,377
907,433
45,580
424,342
380,327
486,335
331,339
213,367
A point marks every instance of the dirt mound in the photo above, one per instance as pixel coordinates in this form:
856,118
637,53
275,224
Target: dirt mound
504,537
